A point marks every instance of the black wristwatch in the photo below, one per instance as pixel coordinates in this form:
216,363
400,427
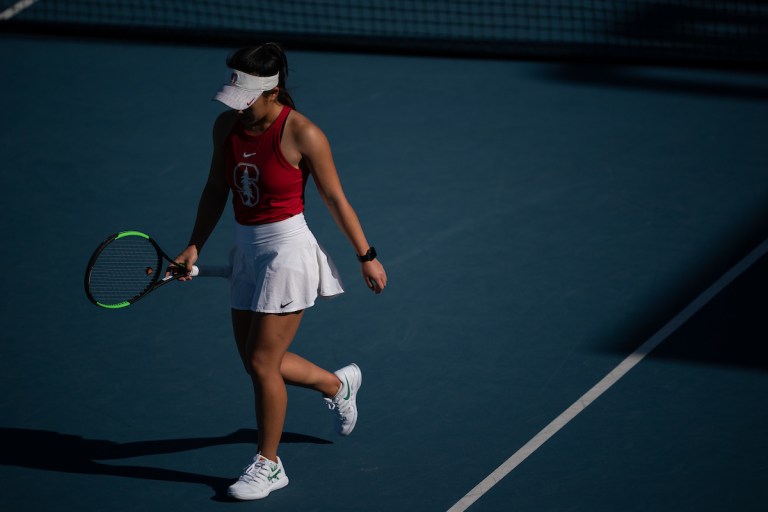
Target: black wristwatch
369,256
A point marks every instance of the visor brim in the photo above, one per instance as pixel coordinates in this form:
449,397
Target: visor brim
236,97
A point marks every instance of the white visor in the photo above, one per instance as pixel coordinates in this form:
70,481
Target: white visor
243,89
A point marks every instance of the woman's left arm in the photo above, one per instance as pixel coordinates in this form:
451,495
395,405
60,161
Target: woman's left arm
316,152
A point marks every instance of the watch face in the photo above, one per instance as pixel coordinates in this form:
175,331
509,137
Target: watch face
370,255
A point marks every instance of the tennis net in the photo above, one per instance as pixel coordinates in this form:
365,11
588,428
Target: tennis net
719,32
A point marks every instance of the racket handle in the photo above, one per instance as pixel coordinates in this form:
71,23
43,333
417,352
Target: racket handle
211,271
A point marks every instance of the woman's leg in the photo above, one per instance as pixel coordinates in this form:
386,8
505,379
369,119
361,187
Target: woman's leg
263,341
297,371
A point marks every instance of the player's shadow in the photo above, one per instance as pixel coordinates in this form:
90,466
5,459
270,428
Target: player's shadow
53,451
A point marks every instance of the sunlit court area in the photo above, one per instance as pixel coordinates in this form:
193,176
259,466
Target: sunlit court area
570,199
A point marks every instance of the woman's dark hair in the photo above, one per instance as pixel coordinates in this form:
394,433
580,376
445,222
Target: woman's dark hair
265,60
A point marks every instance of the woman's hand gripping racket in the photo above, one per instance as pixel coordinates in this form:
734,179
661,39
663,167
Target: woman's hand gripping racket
128,265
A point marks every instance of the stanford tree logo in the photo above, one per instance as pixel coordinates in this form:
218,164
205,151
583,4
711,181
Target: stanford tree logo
246,180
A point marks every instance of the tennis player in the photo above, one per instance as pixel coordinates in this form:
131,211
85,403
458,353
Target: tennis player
264,152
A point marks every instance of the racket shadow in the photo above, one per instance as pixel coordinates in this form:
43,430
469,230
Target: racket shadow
67,453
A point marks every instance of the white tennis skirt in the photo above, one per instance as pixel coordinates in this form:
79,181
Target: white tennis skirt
280,268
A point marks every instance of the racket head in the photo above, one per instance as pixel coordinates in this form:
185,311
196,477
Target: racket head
123,269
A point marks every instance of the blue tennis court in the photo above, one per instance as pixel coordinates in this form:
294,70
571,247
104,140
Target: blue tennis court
539,222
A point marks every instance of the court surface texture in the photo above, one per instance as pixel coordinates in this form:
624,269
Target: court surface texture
540,224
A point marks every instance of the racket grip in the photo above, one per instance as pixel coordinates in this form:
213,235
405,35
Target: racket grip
211,271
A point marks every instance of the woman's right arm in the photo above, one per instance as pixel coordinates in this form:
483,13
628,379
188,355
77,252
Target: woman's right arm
213,200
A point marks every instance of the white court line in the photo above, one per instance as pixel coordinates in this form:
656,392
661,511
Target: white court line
609,380
16,9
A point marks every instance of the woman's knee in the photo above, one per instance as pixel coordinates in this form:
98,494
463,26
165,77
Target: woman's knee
262,366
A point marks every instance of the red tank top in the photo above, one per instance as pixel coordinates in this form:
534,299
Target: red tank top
265,187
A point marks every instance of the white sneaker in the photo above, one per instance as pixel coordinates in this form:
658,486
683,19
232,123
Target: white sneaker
258,479
345,401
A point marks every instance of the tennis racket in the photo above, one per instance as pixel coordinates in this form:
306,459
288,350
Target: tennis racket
128,265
